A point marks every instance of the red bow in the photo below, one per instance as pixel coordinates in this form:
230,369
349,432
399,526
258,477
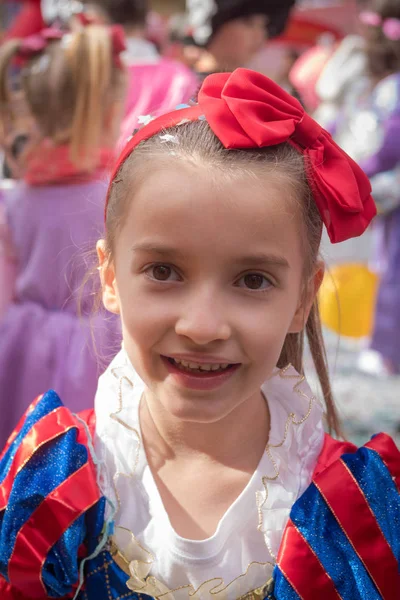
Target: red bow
36,43
118,42
247,110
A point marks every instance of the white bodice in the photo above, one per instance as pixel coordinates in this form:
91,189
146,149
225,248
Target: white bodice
240,556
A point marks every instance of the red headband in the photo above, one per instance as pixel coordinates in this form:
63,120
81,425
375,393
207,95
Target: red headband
247,110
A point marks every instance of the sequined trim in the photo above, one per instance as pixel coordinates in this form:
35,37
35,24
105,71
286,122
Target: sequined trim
291,420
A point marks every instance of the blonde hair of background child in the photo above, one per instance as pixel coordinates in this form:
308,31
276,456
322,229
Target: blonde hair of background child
71,93
196,142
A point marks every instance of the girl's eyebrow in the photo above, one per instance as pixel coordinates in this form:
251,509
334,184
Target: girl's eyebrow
253,260
261,259
163,251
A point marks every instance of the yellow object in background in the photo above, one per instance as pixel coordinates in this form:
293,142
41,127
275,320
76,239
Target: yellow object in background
347,300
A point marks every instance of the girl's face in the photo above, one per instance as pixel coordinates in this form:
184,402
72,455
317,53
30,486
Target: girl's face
208,278
237,42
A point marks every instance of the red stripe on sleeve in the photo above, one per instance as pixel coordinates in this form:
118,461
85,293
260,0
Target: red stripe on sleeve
47,524
300,565
348,504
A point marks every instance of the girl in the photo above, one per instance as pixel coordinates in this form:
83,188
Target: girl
73,86
204,471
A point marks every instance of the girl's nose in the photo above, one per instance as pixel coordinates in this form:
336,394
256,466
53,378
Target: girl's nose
203,321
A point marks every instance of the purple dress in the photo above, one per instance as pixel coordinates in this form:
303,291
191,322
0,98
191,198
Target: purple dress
370,132
46,341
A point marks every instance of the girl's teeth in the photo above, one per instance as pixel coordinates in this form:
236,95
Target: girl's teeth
200,367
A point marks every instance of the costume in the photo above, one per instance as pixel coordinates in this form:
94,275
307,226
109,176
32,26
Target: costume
318,518
336,536
44,342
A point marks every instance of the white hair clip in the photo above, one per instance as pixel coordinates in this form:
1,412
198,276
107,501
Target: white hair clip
145,119
41,65
66,40
169,138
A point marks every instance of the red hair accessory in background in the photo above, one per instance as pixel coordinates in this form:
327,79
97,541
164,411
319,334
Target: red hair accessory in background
36,43
245,109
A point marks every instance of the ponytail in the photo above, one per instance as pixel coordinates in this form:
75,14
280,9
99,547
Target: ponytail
91,63
8,51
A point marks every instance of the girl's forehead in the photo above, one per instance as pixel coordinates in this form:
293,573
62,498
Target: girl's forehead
184,191
203,208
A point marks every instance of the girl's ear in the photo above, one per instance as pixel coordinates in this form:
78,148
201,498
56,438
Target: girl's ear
307,300
107,278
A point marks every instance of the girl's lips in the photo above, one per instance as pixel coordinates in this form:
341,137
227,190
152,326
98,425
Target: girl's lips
196,380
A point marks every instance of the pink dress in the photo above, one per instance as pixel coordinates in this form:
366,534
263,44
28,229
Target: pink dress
8,263
156,86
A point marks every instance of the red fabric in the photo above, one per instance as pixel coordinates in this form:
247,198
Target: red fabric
35,44
49,164
331,451
389,453
47,429
245,109
340,490
19,426
8,592
305,568
45,527
28,22
59,509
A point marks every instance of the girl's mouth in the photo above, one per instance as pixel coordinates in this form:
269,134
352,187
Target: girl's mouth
199,375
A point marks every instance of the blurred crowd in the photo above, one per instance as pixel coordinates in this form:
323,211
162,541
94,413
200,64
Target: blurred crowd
78,78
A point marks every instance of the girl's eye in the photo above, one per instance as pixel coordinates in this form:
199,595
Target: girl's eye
162,273
254,281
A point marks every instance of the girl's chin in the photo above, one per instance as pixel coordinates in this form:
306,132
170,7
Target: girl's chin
196,412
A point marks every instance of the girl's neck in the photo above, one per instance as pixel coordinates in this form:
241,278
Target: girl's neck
238,440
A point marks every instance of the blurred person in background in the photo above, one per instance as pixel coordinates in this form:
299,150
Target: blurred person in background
74,87
156,84
232,32
289,59
368,128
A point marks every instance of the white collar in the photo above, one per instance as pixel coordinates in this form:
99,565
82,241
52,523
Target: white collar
296,440
140,51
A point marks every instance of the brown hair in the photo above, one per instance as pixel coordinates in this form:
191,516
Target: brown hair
197,143
129,13
68,89
383,54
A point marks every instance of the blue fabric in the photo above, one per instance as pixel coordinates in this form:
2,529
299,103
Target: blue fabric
47,469
47,404
106,581
52,464
316,523
283,590
381,492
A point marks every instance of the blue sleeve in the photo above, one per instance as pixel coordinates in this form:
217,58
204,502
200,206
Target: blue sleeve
347,525
50,506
